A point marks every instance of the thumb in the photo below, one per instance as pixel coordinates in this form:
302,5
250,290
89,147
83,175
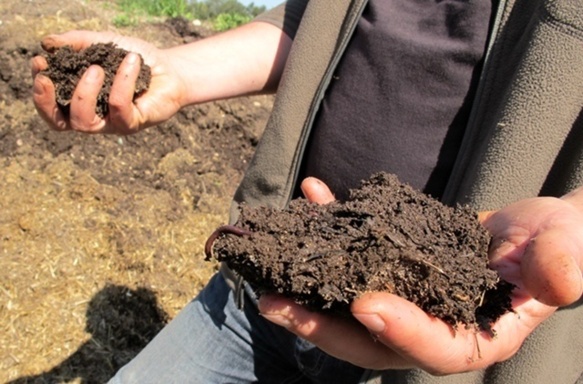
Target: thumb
317,191
551,267
544,237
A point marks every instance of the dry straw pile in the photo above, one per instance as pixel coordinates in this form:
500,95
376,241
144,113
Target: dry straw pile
101,237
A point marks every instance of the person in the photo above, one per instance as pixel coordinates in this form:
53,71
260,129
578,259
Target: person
474,102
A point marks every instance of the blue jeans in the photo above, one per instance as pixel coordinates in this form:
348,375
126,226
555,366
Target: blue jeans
212,341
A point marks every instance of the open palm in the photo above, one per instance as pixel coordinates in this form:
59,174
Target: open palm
537,245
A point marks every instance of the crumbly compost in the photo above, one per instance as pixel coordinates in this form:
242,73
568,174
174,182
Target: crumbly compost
386,237
66,66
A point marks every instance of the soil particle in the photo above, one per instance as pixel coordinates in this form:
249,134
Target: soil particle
66,67
386,237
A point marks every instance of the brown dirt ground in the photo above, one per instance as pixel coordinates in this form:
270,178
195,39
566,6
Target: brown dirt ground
101,237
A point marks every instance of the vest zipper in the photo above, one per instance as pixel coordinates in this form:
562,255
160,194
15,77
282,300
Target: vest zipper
451,192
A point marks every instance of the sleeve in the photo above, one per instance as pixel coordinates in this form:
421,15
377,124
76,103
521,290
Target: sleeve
286,16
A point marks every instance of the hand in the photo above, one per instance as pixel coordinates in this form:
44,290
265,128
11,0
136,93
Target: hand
537,245
160,102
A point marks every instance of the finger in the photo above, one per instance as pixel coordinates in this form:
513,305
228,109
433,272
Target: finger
316,191
551,269
38,64
122,110
83,103
543,238
76,39
429,342
340,337
409,331
485,215
45,103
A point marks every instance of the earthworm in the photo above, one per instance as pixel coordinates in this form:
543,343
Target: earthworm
208,246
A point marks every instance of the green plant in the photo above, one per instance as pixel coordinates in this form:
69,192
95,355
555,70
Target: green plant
124,20
224,14
226,21
211,9
157,8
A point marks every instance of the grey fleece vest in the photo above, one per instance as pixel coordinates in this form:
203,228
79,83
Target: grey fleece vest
524,138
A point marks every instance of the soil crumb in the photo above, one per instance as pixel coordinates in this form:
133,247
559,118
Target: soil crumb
66,66
386,237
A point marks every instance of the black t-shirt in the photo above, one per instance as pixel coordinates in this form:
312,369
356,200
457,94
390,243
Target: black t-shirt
401,95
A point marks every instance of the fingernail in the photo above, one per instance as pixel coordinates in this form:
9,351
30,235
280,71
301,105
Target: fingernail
372,321
49,43
92,74
278,319
132,58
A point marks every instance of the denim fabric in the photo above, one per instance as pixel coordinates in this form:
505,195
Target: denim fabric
212,341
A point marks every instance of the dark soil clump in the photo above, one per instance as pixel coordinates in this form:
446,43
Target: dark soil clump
386,237
66,67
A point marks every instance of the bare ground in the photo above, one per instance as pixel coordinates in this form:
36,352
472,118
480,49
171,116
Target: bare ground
101,237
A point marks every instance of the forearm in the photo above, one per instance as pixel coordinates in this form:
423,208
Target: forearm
246,60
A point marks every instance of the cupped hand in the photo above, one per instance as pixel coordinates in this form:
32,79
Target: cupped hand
160,102
537,245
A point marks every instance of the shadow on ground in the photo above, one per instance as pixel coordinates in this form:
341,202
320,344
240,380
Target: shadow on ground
121,322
